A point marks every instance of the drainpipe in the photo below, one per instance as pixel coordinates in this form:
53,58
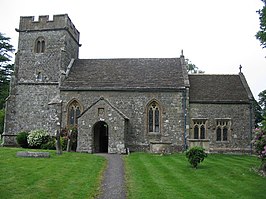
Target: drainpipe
185,118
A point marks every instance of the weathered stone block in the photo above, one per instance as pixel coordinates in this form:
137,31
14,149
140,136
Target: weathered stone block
29,154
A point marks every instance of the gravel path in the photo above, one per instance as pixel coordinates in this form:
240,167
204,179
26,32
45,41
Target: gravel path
113,185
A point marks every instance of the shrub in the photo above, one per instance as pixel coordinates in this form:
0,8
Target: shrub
37,138
50,145
71,133
196,155
22,139
259,143
63,141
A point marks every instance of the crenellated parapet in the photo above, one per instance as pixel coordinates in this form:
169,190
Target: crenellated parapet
59,22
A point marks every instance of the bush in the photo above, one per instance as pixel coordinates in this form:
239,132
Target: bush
37,138
259,142
50,145
196,155
63,142
22,139
72,134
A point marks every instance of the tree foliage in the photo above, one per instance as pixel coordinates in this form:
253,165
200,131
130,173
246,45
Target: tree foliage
192,68
196,155
258,113
262,102
259,143
6,69
6,50
261,34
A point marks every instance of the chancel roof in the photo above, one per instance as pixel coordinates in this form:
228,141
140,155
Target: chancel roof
218,89
126,74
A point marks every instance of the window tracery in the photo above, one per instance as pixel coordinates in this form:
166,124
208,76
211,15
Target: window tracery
74,111
199,129
154,117
222,127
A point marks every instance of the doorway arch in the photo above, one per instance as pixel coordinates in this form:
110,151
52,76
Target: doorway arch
100,131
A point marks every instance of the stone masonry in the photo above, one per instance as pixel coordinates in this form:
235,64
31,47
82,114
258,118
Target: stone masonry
117,105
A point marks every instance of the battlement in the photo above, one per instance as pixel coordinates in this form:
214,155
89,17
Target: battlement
43,23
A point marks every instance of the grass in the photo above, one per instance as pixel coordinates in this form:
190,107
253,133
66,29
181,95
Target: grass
71,175
171,176
77,175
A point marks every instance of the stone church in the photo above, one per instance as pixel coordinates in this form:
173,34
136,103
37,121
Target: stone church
144,104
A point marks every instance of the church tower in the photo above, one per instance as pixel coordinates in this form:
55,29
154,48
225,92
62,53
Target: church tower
45,49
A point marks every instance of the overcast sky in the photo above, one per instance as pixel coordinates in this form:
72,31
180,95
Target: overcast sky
216,35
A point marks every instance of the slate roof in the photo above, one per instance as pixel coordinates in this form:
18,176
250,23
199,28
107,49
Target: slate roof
217,89
125,74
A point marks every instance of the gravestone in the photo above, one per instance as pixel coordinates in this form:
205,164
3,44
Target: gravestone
29,154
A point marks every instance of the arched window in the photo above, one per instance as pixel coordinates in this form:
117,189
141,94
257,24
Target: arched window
39,45
154,117
74,111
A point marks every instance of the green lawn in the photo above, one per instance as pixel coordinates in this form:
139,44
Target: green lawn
171,176
77,175
71,175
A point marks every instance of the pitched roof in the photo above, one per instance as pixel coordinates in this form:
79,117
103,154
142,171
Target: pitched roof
217,89
125,74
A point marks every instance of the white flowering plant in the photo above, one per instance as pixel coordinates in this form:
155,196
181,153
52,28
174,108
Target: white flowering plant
37,138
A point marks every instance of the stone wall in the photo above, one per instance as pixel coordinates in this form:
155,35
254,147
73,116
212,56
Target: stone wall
28,110
59,49
239,134
105,112
133,106
37,74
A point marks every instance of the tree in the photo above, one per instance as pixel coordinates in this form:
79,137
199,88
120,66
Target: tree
261,34
262,102
6,69
259,143
257,113
192,68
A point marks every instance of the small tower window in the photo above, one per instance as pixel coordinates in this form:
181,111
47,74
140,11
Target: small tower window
40,45
39,76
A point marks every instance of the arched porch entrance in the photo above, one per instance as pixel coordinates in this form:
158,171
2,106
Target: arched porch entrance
100,130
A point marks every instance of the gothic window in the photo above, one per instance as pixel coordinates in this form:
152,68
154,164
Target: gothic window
40,45
74,111
199,129
222,126
154,117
